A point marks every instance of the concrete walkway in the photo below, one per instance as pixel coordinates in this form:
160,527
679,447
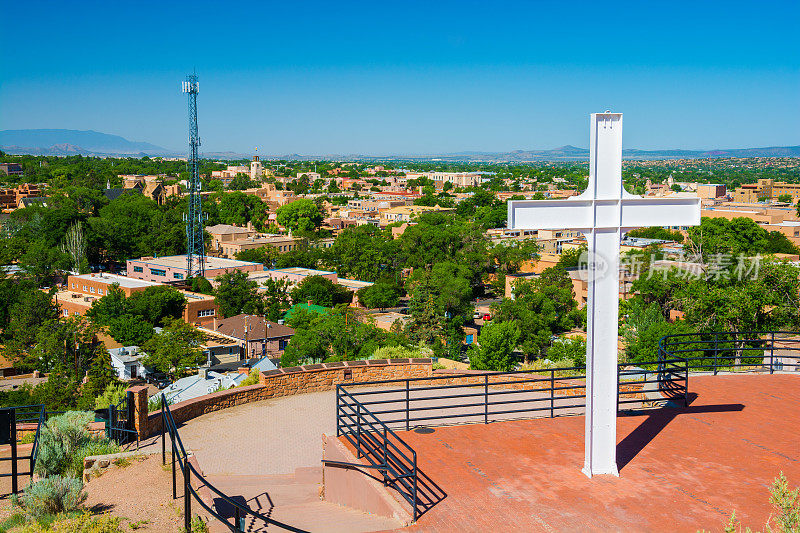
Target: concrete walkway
268,437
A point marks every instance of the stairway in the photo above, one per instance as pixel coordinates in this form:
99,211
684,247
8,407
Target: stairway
293,499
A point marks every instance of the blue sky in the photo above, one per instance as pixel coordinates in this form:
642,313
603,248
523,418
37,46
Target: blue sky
405,77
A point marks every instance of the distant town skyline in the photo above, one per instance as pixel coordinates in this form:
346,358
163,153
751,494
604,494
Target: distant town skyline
413,78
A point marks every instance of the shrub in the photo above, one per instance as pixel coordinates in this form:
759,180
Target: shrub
401,352
111,396
51,495
95,447
60,440
569,352
154,403
82,523
251,379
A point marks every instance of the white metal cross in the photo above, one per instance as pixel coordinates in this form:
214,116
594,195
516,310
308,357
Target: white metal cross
603,212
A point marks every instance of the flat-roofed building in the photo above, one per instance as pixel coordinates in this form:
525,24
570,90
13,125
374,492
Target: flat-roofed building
458,179
282,243
224,233
173,267
84,289
711,190
407,213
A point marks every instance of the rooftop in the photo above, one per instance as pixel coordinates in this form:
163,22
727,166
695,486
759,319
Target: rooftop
123,281
255,325
224,229
179,262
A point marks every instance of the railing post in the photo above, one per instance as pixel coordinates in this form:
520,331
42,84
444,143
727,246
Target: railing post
187,496
408,405
385,461
112,422
163,441
358,430
552,393
486,398
716,352
174,481
686,383
415,514
772,354
14,485
338,410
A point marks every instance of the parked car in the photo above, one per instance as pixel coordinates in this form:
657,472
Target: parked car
476,315
487,317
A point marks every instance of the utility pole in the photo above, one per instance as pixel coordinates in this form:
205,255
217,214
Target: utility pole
195,247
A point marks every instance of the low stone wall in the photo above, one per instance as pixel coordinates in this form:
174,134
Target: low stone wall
277,383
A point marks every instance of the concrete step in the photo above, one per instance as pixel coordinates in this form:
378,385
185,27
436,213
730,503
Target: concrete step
293,499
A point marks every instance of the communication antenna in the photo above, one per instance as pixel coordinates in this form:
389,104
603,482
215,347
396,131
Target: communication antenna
195,247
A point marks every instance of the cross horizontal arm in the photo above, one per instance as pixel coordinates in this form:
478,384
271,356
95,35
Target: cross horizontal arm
582,213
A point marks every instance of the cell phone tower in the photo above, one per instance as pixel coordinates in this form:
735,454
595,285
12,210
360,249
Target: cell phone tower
195,246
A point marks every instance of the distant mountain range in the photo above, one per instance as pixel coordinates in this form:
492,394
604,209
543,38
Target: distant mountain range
62,142
74,142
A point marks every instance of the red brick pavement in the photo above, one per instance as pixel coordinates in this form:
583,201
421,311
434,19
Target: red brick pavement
681,469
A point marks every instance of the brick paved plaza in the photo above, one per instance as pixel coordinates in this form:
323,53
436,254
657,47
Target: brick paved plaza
680,469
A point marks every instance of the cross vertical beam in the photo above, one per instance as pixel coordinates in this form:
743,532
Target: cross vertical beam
602,304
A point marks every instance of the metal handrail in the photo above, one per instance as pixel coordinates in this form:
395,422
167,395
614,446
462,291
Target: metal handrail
730,350
179,453
376,441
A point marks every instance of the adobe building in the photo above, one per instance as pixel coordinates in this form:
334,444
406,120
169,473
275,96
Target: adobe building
173,268
85,289
710,191
223,233
151,186
256,336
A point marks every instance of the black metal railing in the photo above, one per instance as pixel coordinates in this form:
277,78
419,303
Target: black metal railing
734,351
180,461
367,417
120,422
488,396
20,415
379,446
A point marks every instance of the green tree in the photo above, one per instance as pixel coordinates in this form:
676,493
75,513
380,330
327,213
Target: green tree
571,352
241,182
236,293
738,236
266,255
321,291
495,347
440,237
446,287
509,257
785,198
542,307
364,252
275,297
130,330
656,232
380,295
302,215
200,284
571,257
238,208
175,348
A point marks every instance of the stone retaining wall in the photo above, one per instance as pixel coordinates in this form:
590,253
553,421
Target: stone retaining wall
277,383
